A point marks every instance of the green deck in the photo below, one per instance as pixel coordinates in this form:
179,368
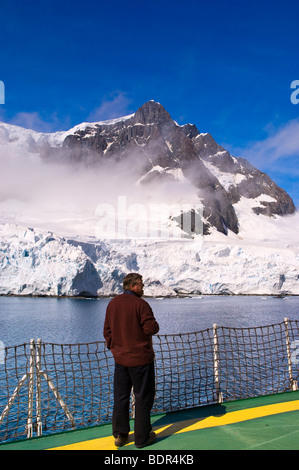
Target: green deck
265,423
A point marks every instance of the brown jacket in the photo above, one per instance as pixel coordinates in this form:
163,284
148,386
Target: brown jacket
128,329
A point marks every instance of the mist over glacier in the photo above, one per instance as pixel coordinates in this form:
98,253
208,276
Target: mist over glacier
63,194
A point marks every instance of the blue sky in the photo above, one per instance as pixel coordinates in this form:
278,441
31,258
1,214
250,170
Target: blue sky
226,66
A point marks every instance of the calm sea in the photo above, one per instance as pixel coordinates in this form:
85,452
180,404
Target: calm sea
81,320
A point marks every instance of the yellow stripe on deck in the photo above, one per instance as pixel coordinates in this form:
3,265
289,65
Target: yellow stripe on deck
102,443
107,443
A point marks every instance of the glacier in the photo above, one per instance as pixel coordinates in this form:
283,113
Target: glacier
263,259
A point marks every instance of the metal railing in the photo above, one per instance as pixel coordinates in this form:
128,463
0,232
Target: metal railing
46,387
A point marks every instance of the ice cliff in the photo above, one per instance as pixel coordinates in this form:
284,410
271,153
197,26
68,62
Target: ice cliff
36,262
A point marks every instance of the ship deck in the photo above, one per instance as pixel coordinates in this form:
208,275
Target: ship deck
263,423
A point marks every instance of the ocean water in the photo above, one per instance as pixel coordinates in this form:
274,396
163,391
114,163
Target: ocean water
61,320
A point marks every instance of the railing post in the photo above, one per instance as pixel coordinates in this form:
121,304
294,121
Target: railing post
38,389
31,389
219,395
294,385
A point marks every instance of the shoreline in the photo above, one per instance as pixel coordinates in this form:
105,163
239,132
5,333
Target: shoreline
179,296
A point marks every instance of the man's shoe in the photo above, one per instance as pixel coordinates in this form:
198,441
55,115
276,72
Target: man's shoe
120,440
152,438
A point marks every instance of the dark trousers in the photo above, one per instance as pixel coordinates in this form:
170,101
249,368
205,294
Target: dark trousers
142,379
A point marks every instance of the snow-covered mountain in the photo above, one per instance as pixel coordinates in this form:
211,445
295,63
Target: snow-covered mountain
243,232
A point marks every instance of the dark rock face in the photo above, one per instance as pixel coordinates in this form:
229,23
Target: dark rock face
87,281
254,183
150,138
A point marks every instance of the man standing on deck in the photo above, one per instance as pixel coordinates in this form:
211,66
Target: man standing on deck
128,329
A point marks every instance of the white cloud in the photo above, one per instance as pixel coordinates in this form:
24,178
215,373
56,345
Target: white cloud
34,121
114,106
280,146
30,121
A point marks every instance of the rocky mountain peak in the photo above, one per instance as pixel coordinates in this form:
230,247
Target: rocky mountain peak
151,113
